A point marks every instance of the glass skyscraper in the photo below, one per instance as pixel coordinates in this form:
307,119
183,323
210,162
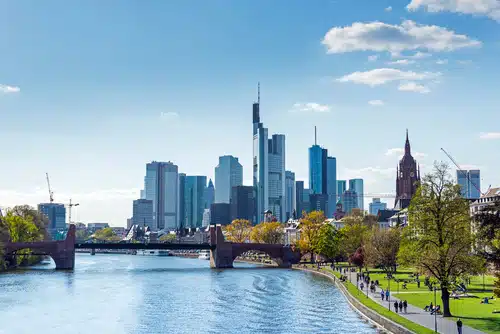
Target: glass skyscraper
290,194
331,185
356,185
194,200
317,169
228,174
277,177
56,213
341,188
470,183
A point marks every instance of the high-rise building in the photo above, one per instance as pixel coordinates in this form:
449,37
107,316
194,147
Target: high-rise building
407,177
317,168
350,201
290,195
56,214
228,174
356,185
331,186
318,202
341,188
209,194
277,177
161,185
220,213
470,183
299,198
306,201
242,203
194,200
260,163
142,213
206,218
181,203
376,205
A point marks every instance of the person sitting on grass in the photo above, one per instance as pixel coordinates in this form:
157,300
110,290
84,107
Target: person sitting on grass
436,310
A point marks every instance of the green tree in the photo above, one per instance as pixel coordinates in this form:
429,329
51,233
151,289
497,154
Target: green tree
310,224
81,235
106,234
168,238
39,219
22,229
328,242
382,249
267,233
355,234
238,231
438,240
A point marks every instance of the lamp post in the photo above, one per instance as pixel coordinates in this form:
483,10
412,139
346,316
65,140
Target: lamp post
435,313
389,288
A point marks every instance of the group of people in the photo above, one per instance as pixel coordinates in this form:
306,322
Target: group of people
402,305
433,309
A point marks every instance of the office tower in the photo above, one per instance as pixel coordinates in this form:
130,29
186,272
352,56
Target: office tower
276,176
56,214
376,205
181,203
290,195
318,202
260,163
206,218
194,200
317,168
299,198
306,201
228,174
407,178
242,203
470,183
356,185
142,213
331,186
209,194
220,213
161,185
341,188
350,200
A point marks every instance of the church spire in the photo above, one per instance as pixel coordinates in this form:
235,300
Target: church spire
407,145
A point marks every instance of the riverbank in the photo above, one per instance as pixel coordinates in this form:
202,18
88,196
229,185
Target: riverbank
384,318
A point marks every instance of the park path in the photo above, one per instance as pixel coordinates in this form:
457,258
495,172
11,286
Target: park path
418,315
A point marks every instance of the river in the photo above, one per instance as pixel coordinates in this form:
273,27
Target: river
116,294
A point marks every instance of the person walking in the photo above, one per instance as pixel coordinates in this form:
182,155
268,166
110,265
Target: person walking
396,306
459,326
387,294
382,294
405,305
400,307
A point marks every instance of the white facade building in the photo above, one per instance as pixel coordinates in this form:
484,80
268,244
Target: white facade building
277,177
290,194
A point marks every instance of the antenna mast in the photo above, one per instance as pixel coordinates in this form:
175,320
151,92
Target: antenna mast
258,92
315,136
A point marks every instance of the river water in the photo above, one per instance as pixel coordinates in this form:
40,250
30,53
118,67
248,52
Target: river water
115,294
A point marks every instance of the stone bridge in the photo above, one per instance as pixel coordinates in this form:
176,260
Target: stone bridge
222,253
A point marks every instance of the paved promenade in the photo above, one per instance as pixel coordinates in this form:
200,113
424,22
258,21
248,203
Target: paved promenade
417,315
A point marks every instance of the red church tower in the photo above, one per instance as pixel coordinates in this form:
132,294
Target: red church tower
407,178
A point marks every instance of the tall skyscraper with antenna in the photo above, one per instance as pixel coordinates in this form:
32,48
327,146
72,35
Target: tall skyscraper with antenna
260,163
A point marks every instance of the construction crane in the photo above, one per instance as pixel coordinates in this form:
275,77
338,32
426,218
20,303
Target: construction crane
461,170
70,205
51,193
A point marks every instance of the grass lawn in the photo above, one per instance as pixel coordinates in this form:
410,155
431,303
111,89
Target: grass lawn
470,310
379,308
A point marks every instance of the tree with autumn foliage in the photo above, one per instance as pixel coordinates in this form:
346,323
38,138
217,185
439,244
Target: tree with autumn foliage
268,233
310,225
238,231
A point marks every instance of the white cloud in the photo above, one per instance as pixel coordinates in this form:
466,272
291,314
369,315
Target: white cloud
403,62
490,8
464,62
413,87
490,135
169,115
380,37
416,55
376,103
310,107
372,58
400,152
6,89
382,76
388,9
442,61
370,175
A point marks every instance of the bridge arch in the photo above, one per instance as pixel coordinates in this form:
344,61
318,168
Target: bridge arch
62,252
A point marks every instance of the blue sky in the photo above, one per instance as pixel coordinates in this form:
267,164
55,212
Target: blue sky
91,90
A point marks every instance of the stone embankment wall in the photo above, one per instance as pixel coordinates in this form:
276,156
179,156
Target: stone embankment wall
380,320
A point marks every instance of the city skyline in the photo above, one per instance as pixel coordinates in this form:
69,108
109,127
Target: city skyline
93,119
